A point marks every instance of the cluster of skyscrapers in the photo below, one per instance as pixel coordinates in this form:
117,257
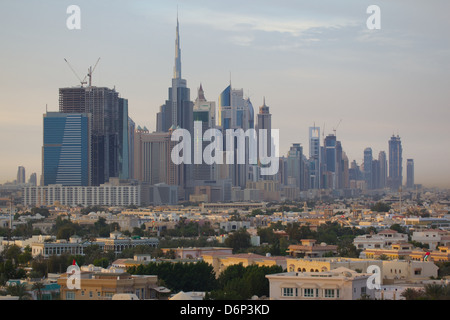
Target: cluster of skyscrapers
328,166
92,139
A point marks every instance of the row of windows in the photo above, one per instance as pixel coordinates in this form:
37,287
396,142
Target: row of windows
310,292
70,295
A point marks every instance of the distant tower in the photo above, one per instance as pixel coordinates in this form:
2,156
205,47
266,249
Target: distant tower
21,175
33,179
368,168
383,169
314,157
177,112
410,173
330,159
205,112
395,163
66,157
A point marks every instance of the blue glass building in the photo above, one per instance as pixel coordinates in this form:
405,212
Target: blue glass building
66,151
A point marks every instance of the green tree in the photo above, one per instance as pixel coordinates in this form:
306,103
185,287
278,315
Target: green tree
238,240
380,207
38,286
12,252
18,290
346,248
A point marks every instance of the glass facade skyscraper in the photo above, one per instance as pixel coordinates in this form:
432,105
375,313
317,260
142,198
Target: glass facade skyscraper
410,173
395,163
368,174
103,105
66,150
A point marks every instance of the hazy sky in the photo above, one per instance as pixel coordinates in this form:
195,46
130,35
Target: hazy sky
314,61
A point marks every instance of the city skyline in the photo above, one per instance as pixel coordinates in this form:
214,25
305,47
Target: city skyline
374,133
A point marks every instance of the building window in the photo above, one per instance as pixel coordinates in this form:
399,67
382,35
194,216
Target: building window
309,293
329,293
288,292
363,290
70,295
91,294
109,295
82,292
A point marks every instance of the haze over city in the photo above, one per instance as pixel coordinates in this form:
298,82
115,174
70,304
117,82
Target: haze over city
314,62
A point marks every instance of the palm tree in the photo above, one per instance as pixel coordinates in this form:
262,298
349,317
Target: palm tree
38,286
435,291
412,294
18,290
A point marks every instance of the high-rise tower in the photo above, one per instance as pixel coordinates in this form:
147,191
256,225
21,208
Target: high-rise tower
20,175
410,173
382,161
178,109
66,153
368,177
177,112
395,163
104,106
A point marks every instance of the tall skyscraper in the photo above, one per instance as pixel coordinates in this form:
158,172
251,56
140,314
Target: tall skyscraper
264,122
376,174
178,109
103,105
66,157
177,112
153,162
410,173
395,163
368,168
383,169
204,112
20,175
295,166
314,157
33,179
235,112
330,179
123,140
131,130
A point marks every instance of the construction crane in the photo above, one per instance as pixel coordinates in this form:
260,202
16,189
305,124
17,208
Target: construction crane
91,71
82,82
89,74
335,129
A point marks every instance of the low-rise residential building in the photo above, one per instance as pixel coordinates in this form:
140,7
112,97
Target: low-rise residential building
197,252
394,271
221,261
309,249
117,242
234,225
432,237
337,284
395,251
383,239
406,251
75,246
327,264
137,260
104,285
